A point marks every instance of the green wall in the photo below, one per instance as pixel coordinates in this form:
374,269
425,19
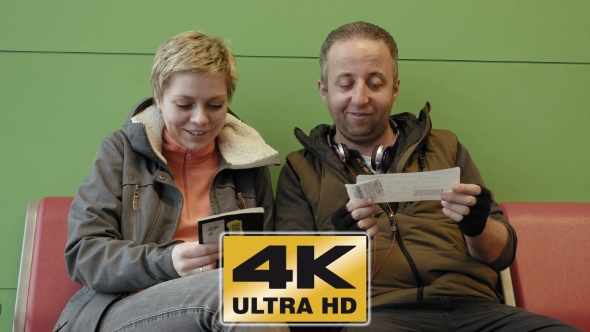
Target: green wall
511,78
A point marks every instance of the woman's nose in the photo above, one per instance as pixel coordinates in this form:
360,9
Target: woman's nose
199,115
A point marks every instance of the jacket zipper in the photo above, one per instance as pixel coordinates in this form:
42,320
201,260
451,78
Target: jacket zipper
135,210
185,173
420,295
402,247
417,276
241,201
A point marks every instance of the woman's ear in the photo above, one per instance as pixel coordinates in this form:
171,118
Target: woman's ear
157,104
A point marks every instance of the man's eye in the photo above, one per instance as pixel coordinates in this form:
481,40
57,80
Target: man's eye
346,86
183,106
374,86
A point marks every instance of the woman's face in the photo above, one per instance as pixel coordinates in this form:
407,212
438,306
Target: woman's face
194,106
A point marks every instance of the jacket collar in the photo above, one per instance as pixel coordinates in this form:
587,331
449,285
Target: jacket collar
415,130
239,144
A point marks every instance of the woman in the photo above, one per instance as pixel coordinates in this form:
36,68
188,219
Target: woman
182,155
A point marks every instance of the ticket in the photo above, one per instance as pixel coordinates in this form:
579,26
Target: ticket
404,187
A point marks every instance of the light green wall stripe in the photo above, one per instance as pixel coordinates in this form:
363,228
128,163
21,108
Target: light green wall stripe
502,30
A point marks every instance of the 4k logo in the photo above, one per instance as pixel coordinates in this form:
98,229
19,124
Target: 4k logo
320,278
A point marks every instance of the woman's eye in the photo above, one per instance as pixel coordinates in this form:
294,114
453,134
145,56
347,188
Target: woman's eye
215,106
183,106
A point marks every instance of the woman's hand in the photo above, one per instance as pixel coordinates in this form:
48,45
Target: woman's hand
189,258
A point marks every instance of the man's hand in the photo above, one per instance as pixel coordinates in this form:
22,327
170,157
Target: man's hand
357,215
189,258
469,205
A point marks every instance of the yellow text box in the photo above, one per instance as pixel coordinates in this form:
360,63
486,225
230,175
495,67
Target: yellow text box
320,278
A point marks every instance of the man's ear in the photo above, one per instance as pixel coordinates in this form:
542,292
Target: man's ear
396,88
323,90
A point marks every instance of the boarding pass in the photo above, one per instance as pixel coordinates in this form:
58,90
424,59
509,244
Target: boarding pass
404,187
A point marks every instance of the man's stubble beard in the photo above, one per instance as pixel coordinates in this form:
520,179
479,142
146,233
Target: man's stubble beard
366,136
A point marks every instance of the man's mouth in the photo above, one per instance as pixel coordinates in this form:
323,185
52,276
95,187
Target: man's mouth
359,115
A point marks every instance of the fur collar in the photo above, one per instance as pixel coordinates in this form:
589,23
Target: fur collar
239,144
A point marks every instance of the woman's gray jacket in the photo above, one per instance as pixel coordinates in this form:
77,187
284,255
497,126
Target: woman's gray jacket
115,245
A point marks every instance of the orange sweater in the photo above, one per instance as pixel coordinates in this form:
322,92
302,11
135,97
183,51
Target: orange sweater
193,172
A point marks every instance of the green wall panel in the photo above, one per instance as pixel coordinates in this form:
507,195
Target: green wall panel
523,123
7,298
502,30
277,95
54,110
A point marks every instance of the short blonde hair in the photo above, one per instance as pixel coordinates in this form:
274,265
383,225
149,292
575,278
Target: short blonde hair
193,52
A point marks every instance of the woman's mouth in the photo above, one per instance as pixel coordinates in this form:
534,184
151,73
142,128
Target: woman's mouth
196,132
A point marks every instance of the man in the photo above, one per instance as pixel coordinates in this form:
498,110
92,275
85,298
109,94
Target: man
436,261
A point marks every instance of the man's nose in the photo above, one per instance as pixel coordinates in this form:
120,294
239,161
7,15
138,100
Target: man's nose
360,94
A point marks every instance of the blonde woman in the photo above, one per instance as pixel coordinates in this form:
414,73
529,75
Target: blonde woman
181,155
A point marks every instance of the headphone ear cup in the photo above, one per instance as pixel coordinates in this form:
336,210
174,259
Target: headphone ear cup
342,153
377,158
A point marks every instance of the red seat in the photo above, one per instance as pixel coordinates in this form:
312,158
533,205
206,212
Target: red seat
551,272
44,287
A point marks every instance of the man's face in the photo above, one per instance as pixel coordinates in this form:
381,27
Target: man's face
360,90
